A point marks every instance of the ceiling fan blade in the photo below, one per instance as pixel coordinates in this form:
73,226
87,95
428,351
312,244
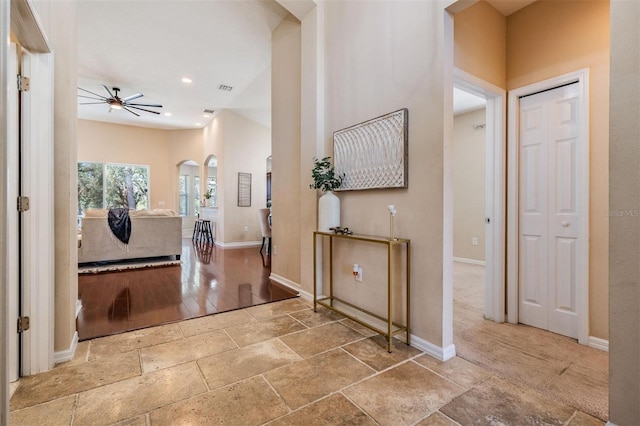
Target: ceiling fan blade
91,103
94,98
95,94
132,97
145,105
141,109
108,91
132,112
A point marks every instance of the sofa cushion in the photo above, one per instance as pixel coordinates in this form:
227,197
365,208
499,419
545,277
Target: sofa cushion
95,213
154,212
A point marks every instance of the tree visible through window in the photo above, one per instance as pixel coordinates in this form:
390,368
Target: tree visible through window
107,185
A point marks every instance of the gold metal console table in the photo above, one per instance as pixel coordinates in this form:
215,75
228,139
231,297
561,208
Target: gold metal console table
353,312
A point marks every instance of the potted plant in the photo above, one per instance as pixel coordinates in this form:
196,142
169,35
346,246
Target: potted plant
326,180
324,176
207,196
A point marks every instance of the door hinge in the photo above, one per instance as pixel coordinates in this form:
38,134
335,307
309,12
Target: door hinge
23,324
23,204
23,83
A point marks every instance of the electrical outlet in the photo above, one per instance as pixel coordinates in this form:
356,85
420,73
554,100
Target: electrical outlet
274,250
357,272
246,229
474,241
161,203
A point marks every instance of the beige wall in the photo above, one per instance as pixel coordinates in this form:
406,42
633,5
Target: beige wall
394,52
247,146
480,43
469,185
286,145
624,243
214,145
116,143
243,145
551,38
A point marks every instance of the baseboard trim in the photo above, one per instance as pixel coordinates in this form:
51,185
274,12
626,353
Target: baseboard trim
471,261
67,355
598,343
291,285
609,423
442,354
241,244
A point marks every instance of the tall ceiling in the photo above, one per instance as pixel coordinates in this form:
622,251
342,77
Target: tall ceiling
148,47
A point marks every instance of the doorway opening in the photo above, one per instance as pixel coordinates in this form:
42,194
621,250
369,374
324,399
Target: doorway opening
479,190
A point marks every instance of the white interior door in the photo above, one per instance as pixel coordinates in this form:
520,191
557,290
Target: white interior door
549,218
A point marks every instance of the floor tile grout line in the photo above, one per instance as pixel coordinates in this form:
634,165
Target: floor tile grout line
366,413
74,410
440,375
575,413
290,348
289,410
300,322
202,376
232,339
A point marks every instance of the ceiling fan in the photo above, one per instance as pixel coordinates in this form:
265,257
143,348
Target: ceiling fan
116,102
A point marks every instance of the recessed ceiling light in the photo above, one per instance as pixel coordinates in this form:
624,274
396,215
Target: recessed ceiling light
186,80
167,114
198,124
206,115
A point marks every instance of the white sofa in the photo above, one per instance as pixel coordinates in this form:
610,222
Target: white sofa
154,233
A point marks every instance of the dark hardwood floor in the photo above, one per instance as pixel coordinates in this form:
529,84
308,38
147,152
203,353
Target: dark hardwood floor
209,280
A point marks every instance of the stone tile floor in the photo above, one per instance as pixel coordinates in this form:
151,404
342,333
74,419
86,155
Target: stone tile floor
281,364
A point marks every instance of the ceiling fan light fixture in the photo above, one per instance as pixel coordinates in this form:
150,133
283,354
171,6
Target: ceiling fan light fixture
115,104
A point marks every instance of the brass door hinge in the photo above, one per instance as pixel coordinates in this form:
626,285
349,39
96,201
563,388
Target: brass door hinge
23,324
23,204
23,83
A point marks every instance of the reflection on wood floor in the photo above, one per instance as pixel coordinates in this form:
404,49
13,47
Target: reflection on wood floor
209,280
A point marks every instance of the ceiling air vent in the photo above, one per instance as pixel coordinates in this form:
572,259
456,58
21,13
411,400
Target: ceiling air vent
225,87
209,111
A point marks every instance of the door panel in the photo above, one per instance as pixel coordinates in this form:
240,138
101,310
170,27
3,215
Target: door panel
548,187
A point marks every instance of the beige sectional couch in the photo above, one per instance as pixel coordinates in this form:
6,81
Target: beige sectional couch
154,233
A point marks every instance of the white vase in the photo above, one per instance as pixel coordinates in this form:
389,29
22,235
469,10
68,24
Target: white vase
328,212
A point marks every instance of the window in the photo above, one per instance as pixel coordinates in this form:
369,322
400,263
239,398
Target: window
108,185
211,189
196,195
184,195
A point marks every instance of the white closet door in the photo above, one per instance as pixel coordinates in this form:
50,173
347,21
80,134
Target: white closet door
549,218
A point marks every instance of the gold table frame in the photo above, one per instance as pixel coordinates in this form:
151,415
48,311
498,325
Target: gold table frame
340,306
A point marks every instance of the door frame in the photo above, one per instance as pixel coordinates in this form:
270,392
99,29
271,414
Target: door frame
495,194
582,260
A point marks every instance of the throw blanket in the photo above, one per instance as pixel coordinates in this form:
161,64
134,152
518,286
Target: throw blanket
120,224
